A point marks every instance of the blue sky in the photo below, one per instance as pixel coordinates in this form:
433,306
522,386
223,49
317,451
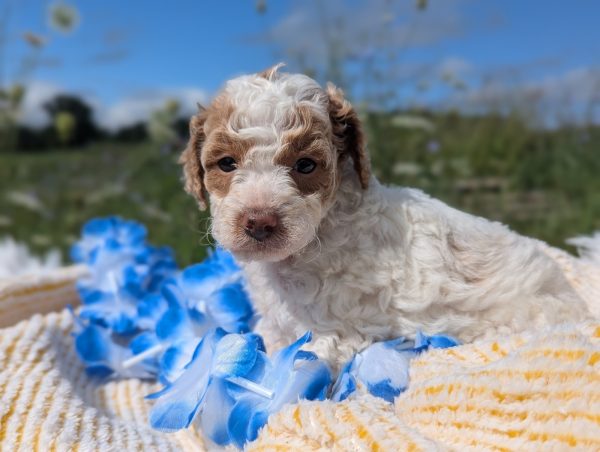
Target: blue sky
136,49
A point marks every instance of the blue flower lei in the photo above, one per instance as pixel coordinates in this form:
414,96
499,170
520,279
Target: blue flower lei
191,329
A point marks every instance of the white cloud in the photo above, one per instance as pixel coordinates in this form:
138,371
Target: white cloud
317,32
32,113
454,67
573,95
580,84
138,107
130,110
575,85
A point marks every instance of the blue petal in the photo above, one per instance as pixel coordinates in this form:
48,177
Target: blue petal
235,355
385,390
442,341
309,356
111,232
260,343
216,408
317,377
159,393
89,295
150,309
142,342
399,344
123,324
176,407
176,358
201,280
230,305
310,380
378,363
283,361
174,323
346,382
98,371
129,232
173,294
112,312
225,260
95,347
77,253
421,341
199,317
238,424
198,272
174,414
99,226
258,420
213,338
261,366
344,387
91,344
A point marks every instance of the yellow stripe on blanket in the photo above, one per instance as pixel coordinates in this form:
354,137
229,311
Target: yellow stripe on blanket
22,297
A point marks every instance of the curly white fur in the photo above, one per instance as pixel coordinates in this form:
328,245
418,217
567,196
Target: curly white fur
391,261
588,247
375,263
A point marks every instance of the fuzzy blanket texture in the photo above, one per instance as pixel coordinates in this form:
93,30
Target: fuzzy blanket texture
533,391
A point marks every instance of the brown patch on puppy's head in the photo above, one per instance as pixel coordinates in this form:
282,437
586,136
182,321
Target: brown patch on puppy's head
206,123
222,143
190,159
307,137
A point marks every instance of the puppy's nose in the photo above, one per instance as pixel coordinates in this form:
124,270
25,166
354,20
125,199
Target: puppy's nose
260,226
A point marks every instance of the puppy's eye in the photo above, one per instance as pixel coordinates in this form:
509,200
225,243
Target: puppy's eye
227,164
305,166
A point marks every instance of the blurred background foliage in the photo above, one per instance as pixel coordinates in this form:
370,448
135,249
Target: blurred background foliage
504,160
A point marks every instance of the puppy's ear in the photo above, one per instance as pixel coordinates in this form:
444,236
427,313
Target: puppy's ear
348,134
193,172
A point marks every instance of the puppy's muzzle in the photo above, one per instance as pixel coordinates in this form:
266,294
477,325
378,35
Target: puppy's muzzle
260,226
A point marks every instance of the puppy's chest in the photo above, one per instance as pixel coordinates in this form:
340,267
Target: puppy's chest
323,293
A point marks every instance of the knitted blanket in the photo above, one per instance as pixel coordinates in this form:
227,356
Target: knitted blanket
532,391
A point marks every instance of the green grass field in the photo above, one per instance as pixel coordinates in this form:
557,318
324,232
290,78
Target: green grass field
543,184
45,198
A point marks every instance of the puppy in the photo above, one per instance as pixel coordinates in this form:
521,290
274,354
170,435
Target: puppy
325,247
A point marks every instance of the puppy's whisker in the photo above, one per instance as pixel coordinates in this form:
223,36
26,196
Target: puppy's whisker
201,231
313,250
207,240
206,237
316,251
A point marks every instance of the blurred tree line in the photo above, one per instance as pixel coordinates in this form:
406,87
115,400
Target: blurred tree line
70,116
72,125
71,120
